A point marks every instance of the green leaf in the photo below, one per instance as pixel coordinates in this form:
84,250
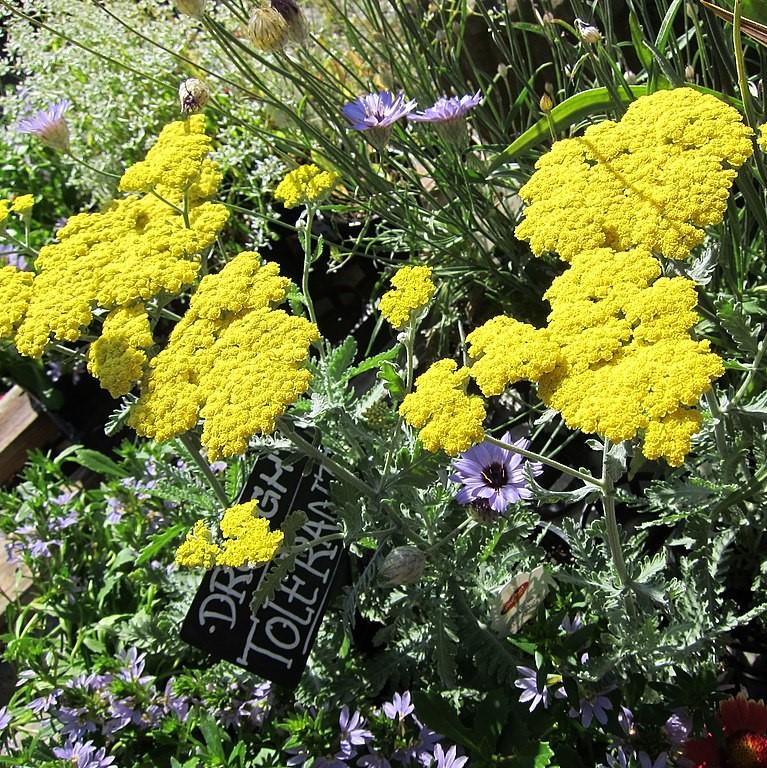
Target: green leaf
569,112
392,380
637,38
212,736
341,358
667,26
440,716
751,10
373,362
533,756
98,462
158,543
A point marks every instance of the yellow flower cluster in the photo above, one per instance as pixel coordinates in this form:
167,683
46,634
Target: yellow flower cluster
616,357
177,163
413,289
234,360
15,293
449,419
655,179
136,249
305,184
118,357
21,204
247,540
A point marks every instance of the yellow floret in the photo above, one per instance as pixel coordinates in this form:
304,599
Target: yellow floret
15,295
198,550
448,418
233,360
23,204
506,351
246,540
118,357
5,209
413,289
305,184
670,436
655,179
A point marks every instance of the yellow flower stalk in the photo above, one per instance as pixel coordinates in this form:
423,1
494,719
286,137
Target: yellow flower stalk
448,418
412,291
246,540
305,184
655,179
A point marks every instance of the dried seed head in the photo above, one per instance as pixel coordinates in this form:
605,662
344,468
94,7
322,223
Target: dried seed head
403,565
588,33
546,104
276,23
191,7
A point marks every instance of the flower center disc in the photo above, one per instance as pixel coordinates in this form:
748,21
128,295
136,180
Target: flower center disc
495,474
747,750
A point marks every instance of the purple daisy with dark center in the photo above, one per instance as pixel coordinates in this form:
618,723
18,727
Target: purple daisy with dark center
50,126
493,477
376,113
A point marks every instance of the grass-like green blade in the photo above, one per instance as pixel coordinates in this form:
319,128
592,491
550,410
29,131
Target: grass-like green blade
570,111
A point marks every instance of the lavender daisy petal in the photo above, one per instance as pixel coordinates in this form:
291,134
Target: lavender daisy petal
50,126
447,109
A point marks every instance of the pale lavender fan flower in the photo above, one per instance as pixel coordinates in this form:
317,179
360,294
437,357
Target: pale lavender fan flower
445,109
376,113
448,759
588,709
353,733
493,477
678,727
85,755
573,625
5,718
399,707
50,126
626,720
531,691
645,761
298,756
374,760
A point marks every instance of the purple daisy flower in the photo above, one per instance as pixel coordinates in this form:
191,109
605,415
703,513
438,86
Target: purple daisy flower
84,755
493,477
528,682
376,113
448,759
399,707
588,709
353,733
50,126
445,110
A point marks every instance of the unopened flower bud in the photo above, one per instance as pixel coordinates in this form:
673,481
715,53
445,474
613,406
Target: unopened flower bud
403,565
503,70
546,104
193,95
548,17
630,77
275,23
689,73
588,33
191,7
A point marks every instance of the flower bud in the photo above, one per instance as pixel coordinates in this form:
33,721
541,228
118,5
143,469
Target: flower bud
190,7
403,565
689,73
630,77
588,33
274,24
193,95
546,104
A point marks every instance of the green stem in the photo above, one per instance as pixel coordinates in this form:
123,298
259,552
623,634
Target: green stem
409,345
93,167
740,64
308,258
466,525
716,412
194,452
341,473
590,479
174,207
611,522
743,388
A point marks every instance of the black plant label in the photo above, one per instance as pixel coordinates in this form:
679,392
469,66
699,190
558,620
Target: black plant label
275,642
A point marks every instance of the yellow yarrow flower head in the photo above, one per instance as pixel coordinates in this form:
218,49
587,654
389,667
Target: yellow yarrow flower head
413,290
305,184
657,178
118,357
134,250
22,204
15,295
246,540
234,359
616,358
5,209
448,418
